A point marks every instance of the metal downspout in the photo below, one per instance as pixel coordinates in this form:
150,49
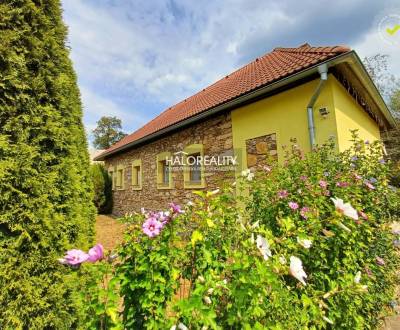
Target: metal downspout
323,71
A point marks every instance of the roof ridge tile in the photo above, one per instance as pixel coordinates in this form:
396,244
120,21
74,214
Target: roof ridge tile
309,49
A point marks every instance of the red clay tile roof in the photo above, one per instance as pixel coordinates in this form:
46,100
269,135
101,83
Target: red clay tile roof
280,63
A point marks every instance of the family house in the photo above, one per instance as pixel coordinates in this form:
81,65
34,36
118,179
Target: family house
307,93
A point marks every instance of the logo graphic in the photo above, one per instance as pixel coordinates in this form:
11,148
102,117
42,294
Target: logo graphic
223,162
389,29
394,30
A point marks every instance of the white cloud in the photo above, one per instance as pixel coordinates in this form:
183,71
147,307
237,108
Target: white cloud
149,51
96,106
372,43
135,58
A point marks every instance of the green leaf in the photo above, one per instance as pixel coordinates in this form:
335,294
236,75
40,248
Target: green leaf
196,237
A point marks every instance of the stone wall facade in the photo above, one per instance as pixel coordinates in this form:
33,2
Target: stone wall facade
215,134
261,151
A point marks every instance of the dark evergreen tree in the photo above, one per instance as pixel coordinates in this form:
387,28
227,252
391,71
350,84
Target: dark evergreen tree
45,187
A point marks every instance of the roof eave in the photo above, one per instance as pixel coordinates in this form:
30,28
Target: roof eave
236,102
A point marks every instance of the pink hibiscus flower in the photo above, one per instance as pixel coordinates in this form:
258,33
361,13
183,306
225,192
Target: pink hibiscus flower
369,185
304,212
293,205
342,184
152,227
74,257
176,208
96,253
323,184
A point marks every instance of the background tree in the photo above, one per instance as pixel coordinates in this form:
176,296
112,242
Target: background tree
45,186
387,83
107,132
395,103
389,86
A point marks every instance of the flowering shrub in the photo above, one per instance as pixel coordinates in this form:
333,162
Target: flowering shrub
310,246
149,271
344,209
98,287
99,297
76,257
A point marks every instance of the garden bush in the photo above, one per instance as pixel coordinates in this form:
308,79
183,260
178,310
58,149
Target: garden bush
98,297
102,188
310,244
349,252
45,186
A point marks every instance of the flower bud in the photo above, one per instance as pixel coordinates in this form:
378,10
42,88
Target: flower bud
207,300
214,192
112,257
380,261
181,326
341,225
322,305
327,295
252,239
328,233
357,278
327,320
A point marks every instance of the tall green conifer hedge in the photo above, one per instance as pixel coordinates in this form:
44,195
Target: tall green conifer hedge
45,187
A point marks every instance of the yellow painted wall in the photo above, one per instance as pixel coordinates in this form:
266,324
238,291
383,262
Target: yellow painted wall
349,116
286,115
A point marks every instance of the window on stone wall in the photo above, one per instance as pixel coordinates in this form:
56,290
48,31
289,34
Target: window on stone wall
120,180
137,174
194,168
164,173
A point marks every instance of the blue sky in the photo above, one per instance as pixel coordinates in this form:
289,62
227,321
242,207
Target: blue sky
136,58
